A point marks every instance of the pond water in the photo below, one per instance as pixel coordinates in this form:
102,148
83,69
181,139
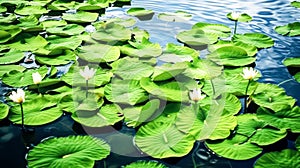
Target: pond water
266,15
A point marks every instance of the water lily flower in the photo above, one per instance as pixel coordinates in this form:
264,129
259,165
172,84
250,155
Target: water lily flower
87,73
18,97
249,73
37,78
235,15
196,95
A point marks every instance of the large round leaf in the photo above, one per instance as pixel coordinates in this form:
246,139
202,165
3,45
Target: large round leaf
28,42
8,34
31,10
107,115
99,53
272,97
66,30
80,17
251,50
145,164
218,29
64,58
112,32
197,37
291,29
7,68
12,56
4,109
279,159
237,148
71,151
174,53
125,92
38,110
7,19
178,16
139,12
292,62
256,39
168,71
286,119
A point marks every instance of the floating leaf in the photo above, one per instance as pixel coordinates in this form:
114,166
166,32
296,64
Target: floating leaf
57,42
61,59
244,17
218,29
67,30
2,9
12,56
74,151
178,16
142,49
251,50
196,37
256,39
139,34
295,4
174,53
168,71
4,109
61,5
7,68
277,159
27,42
292,62
6,35
145,164
291,29
139,12
126,22
80,17
8,19
99,53
272,97
125,92
31,10
53,23
297,77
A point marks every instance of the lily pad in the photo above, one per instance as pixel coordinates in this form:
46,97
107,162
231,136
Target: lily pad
81,17
251,50
174,53
292,62
7,68
244,17
61,59
12,56
38,110
4,109
218,29
297,77
8,19
57,42
256,39
2,9
278,159
74,151
142,49
107,115
273,97
112,32
178,16
286,119
67,30
61,5
30,24
145,164
126,22
6,35
295,4
27,42
99,53
139,34
237,148
139,12
231,56
31,10
196,37
168,71
291,29
125,92
53,23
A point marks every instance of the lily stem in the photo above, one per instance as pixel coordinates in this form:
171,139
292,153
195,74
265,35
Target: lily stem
235,26
213,87
22,115
86,87
245,102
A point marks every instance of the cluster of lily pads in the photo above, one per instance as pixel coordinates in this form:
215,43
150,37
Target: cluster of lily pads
170,95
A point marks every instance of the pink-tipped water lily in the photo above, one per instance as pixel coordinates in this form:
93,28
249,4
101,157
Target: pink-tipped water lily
249,73
37,78
87,73
196,94
18,97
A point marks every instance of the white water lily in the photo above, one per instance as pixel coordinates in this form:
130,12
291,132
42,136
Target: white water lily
235,15
249,73
18,97
37,78
87,73
196,94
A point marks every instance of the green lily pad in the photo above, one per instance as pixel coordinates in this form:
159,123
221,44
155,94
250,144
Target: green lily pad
107,115
53,23
67,30
7,68
61,5
8,19
203,69
112,32
39,2
291,29
6,35
168,71
231,56
2,9
56,42
161,140
256,39
174,53
74,151
81,17
172,91
99,53
74,78
137,115
292,62
27,42
130,69
139,34
178,16
251,50
297,77
218,29
273,97
295,4
196,37
139,12
126,22
145,164
258,131
12,56
38,110
64,58
31,10
4,111
236,148
30,24
142,49
278,159
16,78
285,119
125,92
244,17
